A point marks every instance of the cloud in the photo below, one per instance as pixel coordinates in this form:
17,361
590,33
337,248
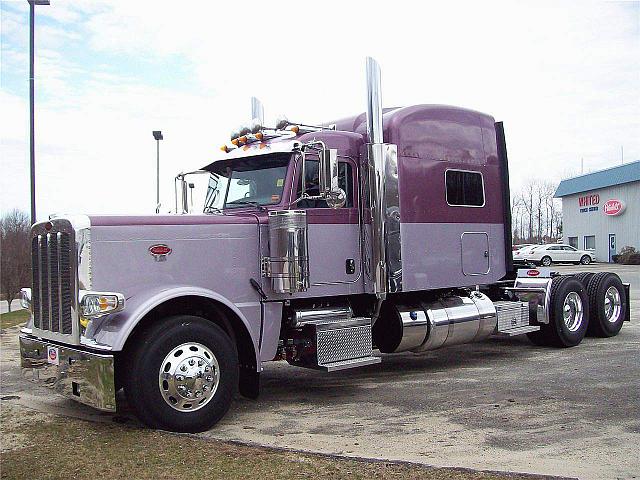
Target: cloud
563,76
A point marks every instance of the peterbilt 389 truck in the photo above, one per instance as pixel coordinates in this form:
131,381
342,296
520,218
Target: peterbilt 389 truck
323,246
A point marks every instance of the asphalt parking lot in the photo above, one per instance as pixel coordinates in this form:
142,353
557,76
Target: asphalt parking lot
503,404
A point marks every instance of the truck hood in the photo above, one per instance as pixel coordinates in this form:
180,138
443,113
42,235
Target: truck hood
126,220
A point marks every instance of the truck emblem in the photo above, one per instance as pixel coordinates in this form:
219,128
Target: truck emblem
533,273
160,252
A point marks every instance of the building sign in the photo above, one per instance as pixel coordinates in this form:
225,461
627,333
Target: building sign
589,203
613,207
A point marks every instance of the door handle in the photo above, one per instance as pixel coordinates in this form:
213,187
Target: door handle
486,254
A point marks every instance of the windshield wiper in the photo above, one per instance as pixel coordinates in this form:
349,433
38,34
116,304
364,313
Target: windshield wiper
210,209
248,202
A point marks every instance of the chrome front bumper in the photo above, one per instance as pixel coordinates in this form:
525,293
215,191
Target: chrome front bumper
82,376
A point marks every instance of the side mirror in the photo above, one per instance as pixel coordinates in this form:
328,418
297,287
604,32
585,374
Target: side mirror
337,199
328,174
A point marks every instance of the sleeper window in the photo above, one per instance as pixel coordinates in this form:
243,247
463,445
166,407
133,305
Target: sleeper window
464,189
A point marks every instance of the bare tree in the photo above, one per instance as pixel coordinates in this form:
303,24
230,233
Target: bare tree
15,261
535,213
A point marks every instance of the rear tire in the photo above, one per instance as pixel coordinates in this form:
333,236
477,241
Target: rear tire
583,278
568,315
585,260
546,261
607,304
182,375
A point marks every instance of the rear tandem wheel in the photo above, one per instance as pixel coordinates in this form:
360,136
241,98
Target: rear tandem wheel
568,314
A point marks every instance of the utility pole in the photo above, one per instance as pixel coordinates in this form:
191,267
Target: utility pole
32,141
157,134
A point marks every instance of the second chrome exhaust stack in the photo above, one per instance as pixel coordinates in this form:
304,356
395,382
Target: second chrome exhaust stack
374,102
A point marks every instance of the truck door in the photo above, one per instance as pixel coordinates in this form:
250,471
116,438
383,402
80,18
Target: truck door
475,253
334,234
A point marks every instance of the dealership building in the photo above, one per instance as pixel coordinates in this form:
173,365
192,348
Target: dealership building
601,210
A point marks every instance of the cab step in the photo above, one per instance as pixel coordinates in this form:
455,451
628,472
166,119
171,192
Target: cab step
336,344
353,363
512,332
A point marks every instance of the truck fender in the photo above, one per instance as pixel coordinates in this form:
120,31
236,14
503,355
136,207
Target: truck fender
120,326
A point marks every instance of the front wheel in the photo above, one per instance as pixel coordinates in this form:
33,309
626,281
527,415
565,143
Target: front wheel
585,260
546,261
182,375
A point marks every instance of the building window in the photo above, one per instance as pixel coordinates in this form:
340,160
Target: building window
464,189
573,241
590,242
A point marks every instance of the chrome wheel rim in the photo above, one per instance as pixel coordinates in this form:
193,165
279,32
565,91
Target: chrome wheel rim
189,377
612,305
572,311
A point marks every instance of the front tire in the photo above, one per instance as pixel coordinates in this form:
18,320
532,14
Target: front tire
585,260
568,314
182,375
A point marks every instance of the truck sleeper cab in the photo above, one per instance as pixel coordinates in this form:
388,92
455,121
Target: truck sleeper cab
389,231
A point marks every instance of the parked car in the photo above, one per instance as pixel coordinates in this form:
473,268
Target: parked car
554,253
521,246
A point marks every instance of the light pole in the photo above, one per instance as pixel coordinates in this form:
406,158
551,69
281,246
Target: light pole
32,144
157,134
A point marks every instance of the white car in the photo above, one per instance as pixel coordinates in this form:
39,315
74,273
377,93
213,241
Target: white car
554,253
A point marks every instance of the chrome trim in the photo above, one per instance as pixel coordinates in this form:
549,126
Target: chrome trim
303,316
82,294
25,298
484,197
450,320
288,263
612,304
83,376
535,291
384,202
79,229
374,102
189,377
572,311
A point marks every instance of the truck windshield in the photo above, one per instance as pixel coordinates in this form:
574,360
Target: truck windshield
254,181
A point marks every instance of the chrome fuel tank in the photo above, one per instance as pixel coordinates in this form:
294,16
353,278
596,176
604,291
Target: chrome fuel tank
288,262
428,325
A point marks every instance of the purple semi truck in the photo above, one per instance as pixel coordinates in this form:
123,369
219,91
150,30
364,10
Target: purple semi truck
388,231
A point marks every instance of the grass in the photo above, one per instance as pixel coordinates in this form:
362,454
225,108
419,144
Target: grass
44,446
18,317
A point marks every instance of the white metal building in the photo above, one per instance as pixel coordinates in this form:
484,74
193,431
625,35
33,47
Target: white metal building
601,210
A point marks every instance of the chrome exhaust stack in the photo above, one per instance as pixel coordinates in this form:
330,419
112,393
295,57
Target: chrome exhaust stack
382,185
374,102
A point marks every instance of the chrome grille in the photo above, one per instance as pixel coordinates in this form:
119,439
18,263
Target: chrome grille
52,292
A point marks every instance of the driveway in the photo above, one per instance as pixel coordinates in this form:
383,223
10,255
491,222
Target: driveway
503,404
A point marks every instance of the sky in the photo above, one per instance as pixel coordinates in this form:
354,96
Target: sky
564,77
